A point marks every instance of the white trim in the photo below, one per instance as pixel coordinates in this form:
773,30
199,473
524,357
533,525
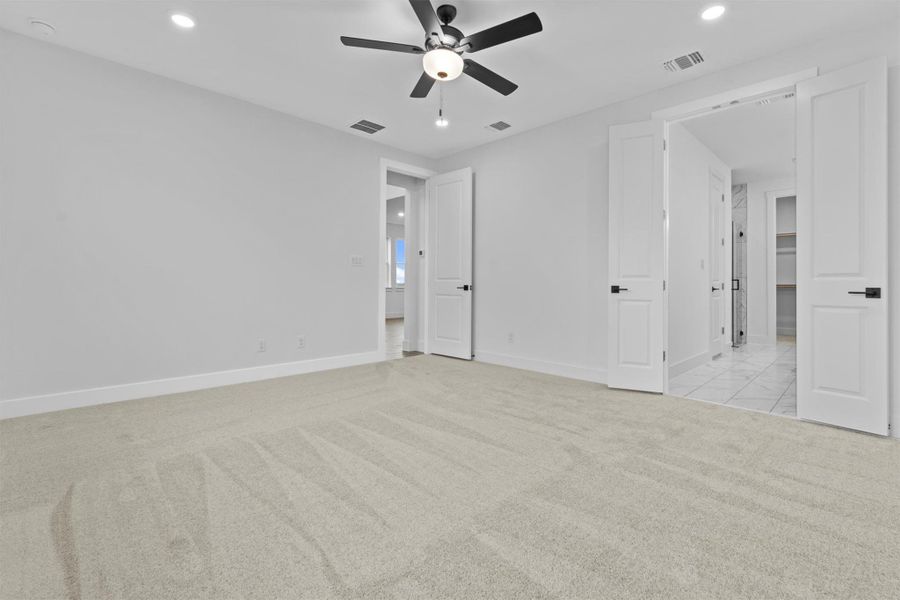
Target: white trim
385,165
542,366
700,106
32,405
683,366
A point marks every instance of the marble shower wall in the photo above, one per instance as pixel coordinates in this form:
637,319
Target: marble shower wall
739,263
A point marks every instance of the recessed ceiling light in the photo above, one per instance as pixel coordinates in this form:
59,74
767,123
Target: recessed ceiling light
711,13
399,214
184,21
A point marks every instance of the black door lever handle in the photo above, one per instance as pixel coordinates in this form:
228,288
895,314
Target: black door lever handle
463,287
872,292
614,289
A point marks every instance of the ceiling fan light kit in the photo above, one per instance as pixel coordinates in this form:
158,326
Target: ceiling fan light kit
442,64
445,44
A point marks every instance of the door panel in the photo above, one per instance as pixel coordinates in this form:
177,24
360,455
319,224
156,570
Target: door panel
842,344
450,264
636,257
717,274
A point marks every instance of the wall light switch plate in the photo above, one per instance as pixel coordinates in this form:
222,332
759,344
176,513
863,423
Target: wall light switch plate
356,260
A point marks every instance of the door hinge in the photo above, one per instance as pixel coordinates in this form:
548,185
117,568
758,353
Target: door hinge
723,197
664,285
723,241
664,144
664,356
664,214
723,330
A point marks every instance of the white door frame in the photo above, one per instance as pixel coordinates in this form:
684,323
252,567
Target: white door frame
384,166
704,106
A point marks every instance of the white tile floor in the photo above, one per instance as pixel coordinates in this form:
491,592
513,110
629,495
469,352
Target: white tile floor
753,377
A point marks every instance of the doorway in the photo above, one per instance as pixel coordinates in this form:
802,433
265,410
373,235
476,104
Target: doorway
426,262
841,199
842,372
753,143
402,268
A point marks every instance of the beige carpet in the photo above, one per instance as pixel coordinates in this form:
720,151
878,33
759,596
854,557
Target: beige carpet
435,478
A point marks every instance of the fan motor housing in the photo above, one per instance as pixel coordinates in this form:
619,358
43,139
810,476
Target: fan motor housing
452,36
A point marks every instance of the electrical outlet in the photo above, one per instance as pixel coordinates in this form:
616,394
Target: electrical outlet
301,342
356,260
510,338
262,346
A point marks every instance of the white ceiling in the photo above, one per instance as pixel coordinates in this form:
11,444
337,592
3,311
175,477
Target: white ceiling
286,55
756,141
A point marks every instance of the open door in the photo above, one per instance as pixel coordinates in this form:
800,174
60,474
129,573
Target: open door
717,267
637,219
842,252
450,264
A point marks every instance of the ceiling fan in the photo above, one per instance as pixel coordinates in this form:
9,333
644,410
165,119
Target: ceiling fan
444,45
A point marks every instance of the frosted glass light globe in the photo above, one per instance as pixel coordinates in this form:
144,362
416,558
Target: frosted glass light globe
442,64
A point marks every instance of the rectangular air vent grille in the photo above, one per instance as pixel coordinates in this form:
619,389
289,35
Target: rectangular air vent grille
499,126
683,62
777,98
367,126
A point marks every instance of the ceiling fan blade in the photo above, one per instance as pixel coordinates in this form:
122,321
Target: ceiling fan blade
377,45
505,32
489,78
428,18
423,86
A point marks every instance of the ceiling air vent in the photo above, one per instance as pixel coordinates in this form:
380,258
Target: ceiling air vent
367,126
683,62
776,98
499,126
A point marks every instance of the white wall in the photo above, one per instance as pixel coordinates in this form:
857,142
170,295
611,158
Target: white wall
150,230
761,304
541,206
690,163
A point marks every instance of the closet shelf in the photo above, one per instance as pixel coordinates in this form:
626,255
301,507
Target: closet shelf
787,234
786,285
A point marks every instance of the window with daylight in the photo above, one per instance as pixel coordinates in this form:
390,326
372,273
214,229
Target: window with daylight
400,262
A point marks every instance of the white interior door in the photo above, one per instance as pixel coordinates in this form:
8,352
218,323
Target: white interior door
636,257
842,252
717,271
450,264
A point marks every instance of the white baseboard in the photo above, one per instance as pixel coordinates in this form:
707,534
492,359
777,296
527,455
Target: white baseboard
596,375
683,366
31,405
